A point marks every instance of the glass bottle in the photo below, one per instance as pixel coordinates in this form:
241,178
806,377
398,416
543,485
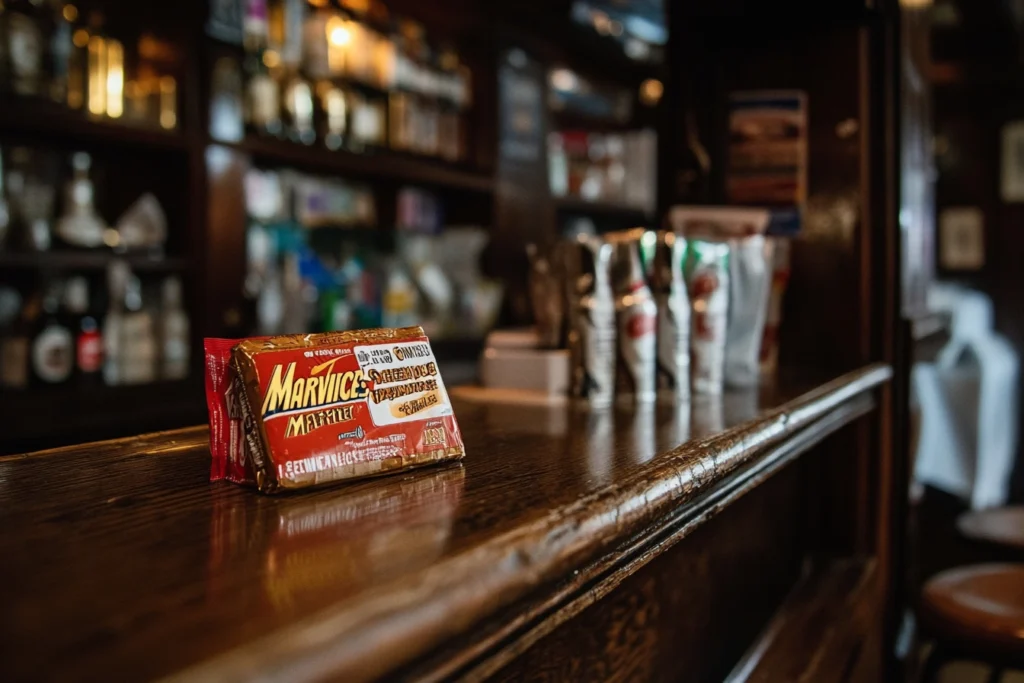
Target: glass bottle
15,363
263,92
80,226
24,46
88,340
117,281
138,337
53,359
174,341
61,48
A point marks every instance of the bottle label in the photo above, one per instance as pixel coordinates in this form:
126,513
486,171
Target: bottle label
52,357
90,352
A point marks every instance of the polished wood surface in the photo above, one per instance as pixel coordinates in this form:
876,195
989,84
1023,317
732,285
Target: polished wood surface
999,526
120,556
979,608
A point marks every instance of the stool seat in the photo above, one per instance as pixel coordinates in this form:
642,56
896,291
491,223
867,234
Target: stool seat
978,609
999,526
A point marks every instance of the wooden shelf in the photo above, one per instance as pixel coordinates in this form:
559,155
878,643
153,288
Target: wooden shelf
51,122
89,260
376,165
583,206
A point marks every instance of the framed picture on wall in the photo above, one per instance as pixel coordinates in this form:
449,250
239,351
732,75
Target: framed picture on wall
961,238
1012,176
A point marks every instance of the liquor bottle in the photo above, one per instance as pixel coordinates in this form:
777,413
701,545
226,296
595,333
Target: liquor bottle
61,48
226,101
5,211
263,93
298,106
334,113
31,192
113,322
323,37
174,343
78,69
138,345
80,226
24,48
88,340
14,346
53,357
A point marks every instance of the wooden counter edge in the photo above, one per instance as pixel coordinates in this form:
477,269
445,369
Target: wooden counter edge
392,624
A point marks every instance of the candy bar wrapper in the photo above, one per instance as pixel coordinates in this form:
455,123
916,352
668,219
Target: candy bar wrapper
223,403
322,408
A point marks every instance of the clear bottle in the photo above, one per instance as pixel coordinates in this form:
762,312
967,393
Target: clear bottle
22,29
53,358
138,337
88,340
80,226
174,351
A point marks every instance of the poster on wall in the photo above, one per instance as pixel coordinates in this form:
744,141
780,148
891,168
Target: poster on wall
961,238
1012,176
768,151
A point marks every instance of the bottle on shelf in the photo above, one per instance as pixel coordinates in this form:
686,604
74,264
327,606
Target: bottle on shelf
53,357
14,344
138,344
5,211
263,92
31,192
334,114
174,351
80,226
113,322
61,48
22,29
88,340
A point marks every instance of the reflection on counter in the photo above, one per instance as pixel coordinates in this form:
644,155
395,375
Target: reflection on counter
338,538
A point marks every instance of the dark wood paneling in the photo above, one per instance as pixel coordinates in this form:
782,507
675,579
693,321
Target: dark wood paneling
690,614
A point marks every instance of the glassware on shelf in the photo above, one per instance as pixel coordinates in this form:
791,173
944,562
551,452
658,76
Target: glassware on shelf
81,226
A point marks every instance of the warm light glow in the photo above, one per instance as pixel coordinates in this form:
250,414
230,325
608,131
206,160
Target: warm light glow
271,59
651,91
339,35
80,38
564,80
70,12
915,4
168,102
115,79
97,76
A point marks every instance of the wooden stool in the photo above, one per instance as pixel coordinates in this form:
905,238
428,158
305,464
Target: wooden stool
1002,527
975,613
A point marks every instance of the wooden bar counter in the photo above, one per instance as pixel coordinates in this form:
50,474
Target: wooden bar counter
631,546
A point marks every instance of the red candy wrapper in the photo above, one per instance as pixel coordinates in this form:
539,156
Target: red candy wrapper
222,402
300,411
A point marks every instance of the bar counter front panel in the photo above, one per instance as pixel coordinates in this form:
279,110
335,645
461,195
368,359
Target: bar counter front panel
553,552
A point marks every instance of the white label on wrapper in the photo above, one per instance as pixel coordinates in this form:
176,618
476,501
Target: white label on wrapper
403,381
